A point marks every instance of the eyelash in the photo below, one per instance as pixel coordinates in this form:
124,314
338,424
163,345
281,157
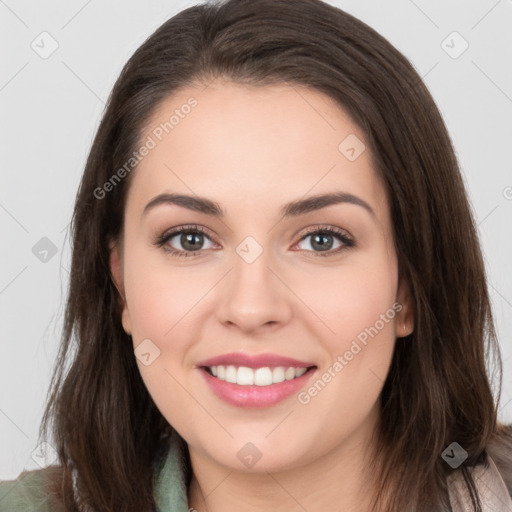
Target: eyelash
324,230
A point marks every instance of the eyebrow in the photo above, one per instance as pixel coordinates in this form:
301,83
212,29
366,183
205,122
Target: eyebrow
291,209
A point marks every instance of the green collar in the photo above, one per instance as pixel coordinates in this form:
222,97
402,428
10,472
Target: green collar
174,466
171,486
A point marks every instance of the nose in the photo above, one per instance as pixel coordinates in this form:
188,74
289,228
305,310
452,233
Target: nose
254,296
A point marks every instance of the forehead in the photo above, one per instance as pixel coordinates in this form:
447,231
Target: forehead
254,146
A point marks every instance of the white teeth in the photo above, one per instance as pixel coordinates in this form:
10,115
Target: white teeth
231,374
278,374
300,371
245,376
289,374
264,376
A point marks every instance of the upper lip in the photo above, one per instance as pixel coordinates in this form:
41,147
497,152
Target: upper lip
254,361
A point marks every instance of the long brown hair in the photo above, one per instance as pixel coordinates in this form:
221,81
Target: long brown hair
107,429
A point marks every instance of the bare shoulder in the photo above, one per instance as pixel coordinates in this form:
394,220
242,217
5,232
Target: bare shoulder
30,492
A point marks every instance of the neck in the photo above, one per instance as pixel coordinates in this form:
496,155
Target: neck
341,478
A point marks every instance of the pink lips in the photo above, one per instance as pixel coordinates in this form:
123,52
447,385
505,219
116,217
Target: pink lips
255,396
256,361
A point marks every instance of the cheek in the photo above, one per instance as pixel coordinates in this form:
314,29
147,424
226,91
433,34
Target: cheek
358,305
354,299
163,298
159,295
160,301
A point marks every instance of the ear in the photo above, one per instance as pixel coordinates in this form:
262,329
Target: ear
116,271
404,322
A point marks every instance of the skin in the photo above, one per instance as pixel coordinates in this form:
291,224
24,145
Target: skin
253,149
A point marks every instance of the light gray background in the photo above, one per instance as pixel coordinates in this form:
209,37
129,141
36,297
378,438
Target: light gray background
51,108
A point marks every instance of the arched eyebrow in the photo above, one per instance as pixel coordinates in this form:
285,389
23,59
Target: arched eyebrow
291,209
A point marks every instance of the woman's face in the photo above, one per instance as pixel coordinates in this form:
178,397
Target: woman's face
254,282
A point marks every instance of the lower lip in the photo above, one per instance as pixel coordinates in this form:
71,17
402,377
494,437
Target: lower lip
255,396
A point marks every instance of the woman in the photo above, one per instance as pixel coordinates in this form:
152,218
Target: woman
277,291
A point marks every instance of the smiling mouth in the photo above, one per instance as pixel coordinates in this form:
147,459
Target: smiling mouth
263,376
